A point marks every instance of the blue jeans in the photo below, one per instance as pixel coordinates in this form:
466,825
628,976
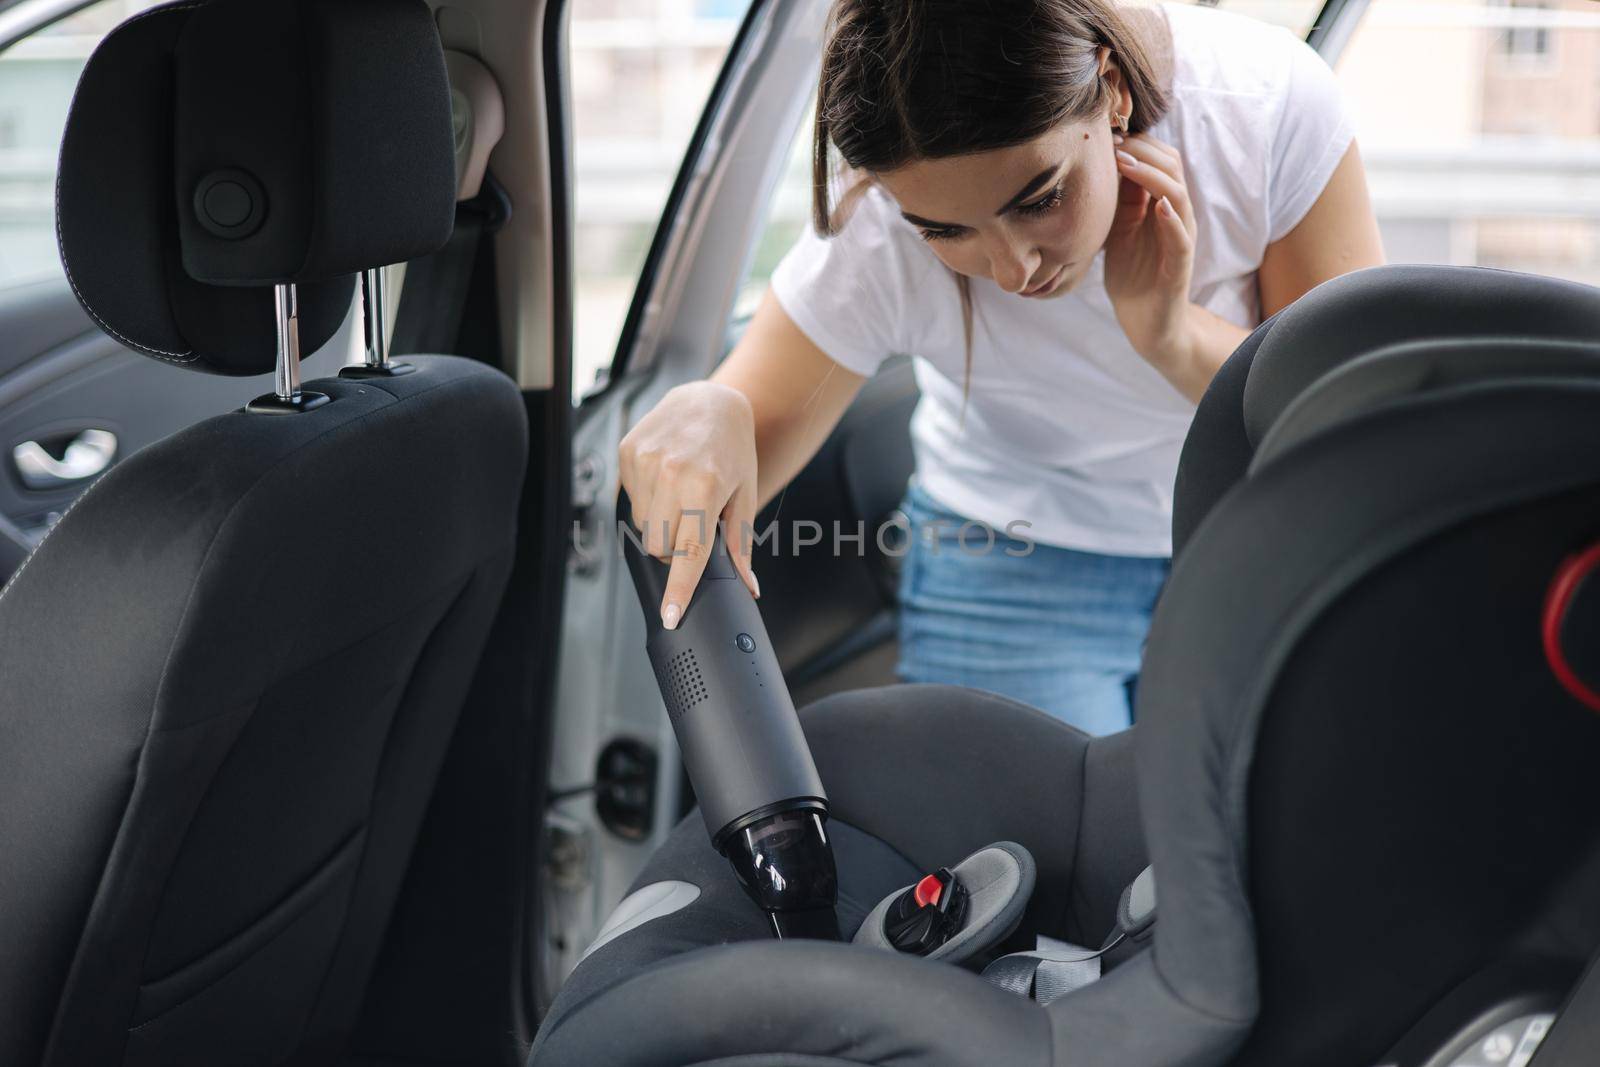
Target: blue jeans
1059,629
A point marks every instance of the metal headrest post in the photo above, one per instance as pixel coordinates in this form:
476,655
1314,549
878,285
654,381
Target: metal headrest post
286,397
374,308
286,376
372,300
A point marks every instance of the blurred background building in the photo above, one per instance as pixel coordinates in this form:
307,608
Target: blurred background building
1479,121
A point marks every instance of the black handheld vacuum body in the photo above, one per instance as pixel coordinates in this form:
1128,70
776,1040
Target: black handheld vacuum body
741,741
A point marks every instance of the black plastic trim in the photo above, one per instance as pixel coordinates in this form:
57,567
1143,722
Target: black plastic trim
551,495
816,804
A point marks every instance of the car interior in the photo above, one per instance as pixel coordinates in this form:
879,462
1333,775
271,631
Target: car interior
337,725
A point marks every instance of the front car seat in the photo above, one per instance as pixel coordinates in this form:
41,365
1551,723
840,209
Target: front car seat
1364,757
232,670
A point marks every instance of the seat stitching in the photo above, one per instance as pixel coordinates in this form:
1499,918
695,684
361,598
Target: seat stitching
1075,884
250,710
159,353
53,527
295,910
339,943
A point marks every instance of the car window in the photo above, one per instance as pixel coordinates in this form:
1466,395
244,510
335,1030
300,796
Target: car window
37,77
640,74
1479,121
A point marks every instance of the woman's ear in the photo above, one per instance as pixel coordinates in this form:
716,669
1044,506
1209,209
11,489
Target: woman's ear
1120,105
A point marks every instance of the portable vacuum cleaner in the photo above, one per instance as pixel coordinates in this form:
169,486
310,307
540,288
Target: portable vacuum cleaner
742,745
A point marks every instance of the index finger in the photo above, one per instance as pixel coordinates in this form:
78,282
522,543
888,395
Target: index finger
691,550
1158,183
1156,153
1151,177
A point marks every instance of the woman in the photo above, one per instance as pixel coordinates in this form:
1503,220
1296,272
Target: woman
1070,212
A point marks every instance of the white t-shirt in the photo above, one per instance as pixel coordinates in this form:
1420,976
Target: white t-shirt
1067,427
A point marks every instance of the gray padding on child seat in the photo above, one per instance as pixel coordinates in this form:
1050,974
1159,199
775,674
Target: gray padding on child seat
639,907
1401,371
999,880
1137,908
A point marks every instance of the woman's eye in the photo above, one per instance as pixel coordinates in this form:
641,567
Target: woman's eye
940,235
1039,207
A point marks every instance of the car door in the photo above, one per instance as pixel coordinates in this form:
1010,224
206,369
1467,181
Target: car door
73,402
829,578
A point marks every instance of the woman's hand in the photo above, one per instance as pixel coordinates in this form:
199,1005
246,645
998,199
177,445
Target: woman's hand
1150,251
688,463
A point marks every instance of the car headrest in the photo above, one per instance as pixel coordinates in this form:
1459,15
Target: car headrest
253,143
1356,314
1391,375
1345,320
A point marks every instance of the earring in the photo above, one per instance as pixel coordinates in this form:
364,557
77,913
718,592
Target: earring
1122,122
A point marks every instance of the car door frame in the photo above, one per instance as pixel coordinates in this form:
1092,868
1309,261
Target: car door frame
19,18
674,331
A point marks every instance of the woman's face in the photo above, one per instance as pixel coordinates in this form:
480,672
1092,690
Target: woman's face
1030,217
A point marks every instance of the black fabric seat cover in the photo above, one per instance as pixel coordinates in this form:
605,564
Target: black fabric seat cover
231,674
1360,782
234,667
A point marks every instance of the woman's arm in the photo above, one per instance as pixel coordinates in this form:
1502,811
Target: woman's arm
720,449
1338,235
796,392
1188,344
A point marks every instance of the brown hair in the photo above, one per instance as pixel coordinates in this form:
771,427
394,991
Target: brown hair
907,80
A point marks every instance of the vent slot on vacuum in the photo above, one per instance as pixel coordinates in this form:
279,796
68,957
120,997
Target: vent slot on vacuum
681,684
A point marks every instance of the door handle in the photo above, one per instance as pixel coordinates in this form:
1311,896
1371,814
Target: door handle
86,456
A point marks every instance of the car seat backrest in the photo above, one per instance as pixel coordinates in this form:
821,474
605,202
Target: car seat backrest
1422,809
233,670
1364,777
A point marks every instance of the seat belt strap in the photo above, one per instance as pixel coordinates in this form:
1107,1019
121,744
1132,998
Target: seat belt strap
1048,973
434,295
